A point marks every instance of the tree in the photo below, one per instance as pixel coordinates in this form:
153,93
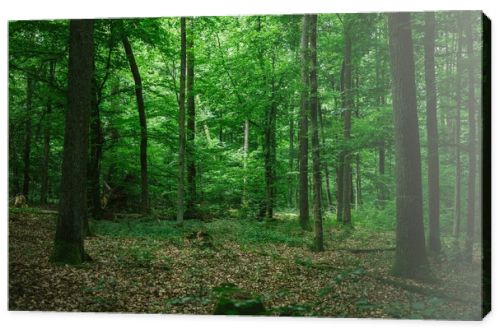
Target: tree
347,101
303,132
410,259
191,125
68,243
432,132
458,122
317,214
182,126
142,122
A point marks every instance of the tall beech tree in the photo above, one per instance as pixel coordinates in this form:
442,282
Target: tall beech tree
410,259
191,120
142,122
68,243
432,132
303,126
348,105
314,105
182,126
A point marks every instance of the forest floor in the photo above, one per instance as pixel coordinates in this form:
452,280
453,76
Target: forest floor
150,266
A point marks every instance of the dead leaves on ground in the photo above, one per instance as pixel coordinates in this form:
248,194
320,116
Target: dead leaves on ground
150,275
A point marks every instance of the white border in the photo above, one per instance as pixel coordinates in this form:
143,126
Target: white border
38,322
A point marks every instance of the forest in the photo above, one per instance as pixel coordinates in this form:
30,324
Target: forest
326,165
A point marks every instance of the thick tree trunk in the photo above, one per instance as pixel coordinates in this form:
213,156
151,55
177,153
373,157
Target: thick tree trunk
142,123
348,106
411,259
68,243
191,125
27,139
44,189
303,129
471,105
432,133
317,212
182,126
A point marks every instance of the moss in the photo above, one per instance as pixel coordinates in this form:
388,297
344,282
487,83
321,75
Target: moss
67,252
238,302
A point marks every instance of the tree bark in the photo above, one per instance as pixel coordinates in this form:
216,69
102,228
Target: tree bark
191,123
68,243
410,259
325,163
317,212
142,123
182,125
348,106
246,135
291,158
27,139
458,165
303,129
432,132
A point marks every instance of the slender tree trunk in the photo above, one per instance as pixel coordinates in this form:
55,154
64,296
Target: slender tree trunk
411,259
191,125
68,243
291,157
317,212
46,143
359,196
340,167
432,132
27,140
303,129
348,106
325,163
471,105
182,125
458,165
142,122
246,135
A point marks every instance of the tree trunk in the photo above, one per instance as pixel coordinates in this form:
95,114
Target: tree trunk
359,197
291,157
270,153
325,163
191,125
46,143
142,122
68,243
182,125
348,106
27,140
246,135
432,133
411,259
471,105
317,214
458,165
303,129
340,167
